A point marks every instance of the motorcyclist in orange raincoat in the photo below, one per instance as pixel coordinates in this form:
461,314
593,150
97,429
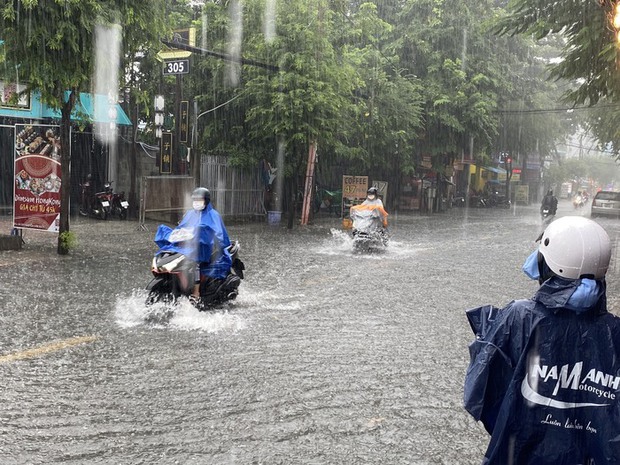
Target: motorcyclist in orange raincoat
370,218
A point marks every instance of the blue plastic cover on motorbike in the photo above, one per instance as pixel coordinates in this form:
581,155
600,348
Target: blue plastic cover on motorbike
545,379
204,239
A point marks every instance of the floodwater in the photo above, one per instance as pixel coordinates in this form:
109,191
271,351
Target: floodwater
326,357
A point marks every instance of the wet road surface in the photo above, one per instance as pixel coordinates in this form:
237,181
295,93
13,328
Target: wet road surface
327,357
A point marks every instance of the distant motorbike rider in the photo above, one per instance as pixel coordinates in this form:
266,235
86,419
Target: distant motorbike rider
209,248
550,201
373,202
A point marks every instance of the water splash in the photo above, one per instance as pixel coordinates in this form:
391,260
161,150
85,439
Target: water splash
131,312
341,243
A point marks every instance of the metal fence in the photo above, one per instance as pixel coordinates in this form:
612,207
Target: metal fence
234,192
165,198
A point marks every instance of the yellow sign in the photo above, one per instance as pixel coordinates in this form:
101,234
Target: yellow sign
183,36
354,187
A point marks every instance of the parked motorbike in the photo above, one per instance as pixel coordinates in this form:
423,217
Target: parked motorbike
459,200
174,276
118,205
97,205
367,231
498,200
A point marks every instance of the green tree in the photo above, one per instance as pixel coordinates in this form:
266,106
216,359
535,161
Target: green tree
51,45
334,87
589,54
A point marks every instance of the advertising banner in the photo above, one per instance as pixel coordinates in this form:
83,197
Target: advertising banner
36,199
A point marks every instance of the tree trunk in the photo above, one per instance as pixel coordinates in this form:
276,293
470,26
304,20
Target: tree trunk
133,157
65,169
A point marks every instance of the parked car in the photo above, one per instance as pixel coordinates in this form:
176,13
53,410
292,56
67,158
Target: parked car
606,203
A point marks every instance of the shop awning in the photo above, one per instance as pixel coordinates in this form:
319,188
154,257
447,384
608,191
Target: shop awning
494,170
95,109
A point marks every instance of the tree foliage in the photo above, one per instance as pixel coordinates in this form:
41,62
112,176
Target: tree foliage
589,54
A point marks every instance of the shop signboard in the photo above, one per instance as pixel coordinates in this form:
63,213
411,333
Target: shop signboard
354,187
184,127
522,194
165,162
36,199
382,187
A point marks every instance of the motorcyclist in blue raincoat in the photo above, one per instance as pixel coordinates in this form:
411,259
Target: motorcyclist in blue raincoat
207,244
544,375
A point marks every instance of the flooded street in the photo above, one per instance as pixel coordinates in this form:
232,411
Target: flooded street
326,357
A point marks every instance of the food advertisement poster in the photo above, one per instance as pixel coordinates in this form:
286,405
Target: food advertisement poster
37,178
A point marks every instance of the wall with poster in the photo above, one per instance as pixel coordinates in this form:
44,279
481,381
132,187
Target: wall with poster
36,199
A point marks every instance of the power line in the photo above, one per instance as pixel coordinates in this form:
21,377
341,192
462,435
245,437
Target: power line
556,110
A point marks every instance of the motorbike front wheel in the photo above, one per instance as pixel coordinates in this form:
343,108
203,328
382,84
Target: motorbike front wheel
160,290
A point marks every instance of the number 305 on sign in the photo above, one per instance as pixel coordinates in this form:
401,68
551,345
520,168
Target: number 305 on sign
176,67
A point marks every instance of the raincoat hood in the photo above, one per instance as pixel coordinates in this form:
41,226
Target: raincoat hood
579,295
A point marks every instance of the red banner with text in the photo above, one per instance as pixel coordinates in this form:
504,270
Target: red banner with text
37,178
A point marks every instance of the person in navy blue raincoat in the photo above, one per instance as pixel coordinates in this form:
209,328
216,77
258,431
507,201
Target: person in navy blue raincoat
207,244
544,375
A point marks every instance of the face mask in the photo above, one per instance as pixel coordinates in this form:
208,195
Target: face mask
371,197
530,267
198,205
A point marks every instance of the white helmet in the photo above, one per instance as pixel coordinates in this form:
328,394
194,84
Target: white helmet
575,247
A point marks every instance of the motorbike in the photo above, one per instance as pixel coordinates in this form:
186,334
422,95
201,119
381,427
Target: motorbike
118,205
174,276
498,200
578,202
545,214
459,200
367,231
97,205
